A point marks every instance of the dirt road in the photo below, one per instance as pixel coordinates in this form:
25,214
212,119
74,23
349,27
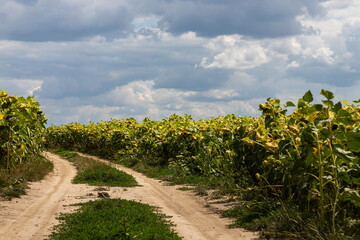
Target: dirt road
32,216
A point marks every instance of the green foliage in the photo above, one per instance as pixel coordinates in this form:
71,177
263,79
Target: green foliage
71,156
114,219
309,158
21,140
13,182
21,129
105,176
13,190
96,173
286,221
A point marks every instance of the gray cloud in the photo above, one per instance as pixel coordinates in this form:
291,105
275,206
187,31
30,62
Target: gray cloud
62,20
315,71
104,72
27,2
259,19
187,77
336,63
92,67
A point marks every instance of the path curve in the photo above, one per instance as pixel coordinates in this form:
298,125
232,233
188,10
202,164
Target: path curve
29,216
193,220
33,215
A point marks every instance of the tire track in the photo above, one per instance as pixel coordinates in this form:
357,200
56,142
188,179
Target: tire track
36,213
32,216
192,219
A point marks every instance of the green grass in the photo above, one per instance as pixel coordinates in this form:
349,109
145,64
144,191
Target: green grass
66,154
273,219
201,184
185,188
105,175
113,219
14,182
96,173
285,220
172,176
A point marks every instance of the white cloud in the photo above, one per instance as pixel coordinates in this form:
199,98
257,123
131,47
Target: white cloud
89,113
145,22
206,110
137,92
221,93
150,72
286,46
235,53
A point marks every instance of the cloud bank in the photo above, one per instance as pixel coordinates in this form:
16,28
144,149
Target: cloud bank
96,60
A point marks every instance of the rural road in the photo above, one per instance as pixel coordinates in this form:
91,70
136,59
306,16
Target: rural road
33,215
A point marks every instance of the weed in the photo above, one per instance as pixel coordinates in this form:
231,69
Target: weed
113,219
283,221
66,154
105,175
13,191
185,188
175,177
96,173
13,182
201,191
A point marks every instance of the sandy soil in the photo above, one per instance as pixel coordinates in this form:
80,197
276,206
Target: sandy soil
33,215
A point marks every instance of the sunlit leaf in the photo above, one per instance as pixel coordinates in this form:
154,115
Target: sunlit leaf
301,103
351,195
343,153
328,103
327,94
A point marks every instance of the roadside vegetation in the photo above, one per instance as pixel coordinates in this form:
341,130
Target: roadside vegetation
171,176
13,182
109,218
95,173
296,175
21,140
114,219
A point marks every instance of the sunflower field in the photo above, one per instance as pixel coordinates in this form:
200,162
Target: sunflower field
22,125
308,158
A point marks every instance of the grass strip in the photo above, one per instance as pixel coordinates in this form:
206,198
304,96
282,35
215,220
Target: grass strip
96,173
14,182
113,219
201,184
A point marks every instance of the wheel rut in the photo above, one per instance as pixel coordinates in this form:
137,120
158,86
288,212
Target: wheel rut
33,215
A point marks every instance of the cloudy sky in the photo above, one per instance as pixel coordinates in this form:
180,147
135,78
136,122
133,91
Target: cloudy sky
92,60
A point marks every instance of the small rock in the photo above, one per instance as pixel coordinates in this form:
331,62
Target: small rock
103,195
